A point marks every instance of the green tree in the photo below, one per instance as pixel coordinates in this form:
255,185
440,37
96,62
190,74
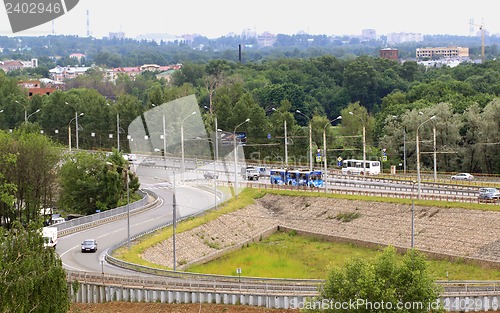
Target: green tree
380,285
89,182
31,277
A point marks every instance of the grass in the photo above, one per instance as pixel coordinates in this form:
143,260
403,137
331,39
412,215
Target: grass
286,255
133,255
310,268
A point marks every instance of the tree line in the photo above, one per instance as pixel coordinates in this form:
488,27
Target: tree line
321,88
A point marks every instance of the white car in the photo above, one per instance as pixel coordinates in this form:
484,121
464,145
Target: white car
462,176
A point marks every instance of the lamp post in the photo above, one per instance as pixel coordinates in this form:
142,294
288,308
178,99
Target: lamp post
435,152
236,159
412,215
182,138
324,147
25,111
76,122
286,139
364,143
28,117
117,129
404,147
418,153
69,130
310,139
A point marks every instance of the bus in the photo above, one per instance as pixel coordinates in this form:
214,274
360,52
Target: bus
296,177
355,167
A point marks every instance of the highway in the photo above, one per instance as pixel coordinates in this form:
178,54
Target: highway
189,201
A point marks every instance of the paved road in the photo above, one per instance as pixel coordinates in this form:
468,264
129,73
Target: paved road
189,201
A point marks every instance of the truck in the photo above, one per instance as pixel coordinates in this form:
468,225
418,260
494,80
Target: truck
250,173
49,235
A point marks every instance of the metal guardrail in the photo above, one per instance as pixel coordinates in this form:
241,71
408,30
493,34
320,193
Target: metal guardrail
92,220
219,283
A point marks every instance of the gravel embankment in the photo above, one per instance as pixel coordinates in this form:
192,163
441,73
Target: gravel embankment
456,232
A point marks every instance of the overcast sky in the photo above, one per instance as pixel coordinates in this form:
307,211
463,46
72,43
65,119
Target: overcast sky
215,18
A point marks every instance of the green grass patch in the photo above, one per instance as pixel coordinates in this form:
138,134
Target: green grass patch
287,255
133,255
248,196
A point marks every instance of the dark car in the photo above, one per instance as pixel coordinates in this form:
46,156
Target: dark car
89,245
210,175
489,195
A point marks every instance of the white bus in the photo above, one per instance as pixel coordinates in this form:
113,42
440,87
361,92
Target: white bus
355,167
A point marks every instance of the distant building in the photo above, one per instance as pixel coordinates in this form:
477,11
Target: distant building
132,72
117,35
441,52
396,38
77,56
389,53
10,65
368,34
266,39
35,87
60,73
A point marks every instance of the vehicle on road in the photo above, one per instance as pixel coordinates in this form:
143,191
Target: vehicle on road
462,176
148,162
489,195
89,245
210,175
250,173
355,167
49,235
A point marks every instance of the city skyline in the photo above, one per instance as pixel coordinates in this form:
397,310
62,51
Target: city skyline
221,17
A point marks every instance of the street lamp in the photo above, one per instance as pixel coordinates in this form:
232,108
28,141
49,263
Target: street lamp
76,122
28,117
25,111
117,129
418,153
69,130
404,146
412,215
310,139
286,140
182,138
324,147
236,159
364,143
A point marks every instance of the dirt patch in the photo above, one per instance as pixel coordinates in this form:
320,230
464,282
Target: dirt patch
455,232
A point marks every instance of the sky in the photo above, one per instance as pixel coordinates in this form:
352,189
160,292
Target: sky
216,18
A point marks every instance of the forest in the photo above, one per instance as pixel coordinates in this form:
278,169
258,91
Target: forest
389,98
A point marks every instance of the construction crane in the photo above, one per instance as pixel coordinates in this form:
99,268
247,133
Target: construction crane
481,28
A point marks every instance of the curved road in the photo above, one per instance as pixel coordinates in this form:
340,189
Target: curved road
189,201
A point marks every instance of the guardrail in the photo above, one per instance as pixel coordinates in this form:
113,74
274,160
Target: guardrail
93,220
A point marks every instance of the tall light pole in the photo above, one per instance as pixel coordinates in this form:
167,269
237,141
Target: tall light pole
364,143
69,130
117,129
435,152
25,111
418,153
404,147
286,138
324,148
310,140
236,159
182,138
28,117
76,122
412,215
